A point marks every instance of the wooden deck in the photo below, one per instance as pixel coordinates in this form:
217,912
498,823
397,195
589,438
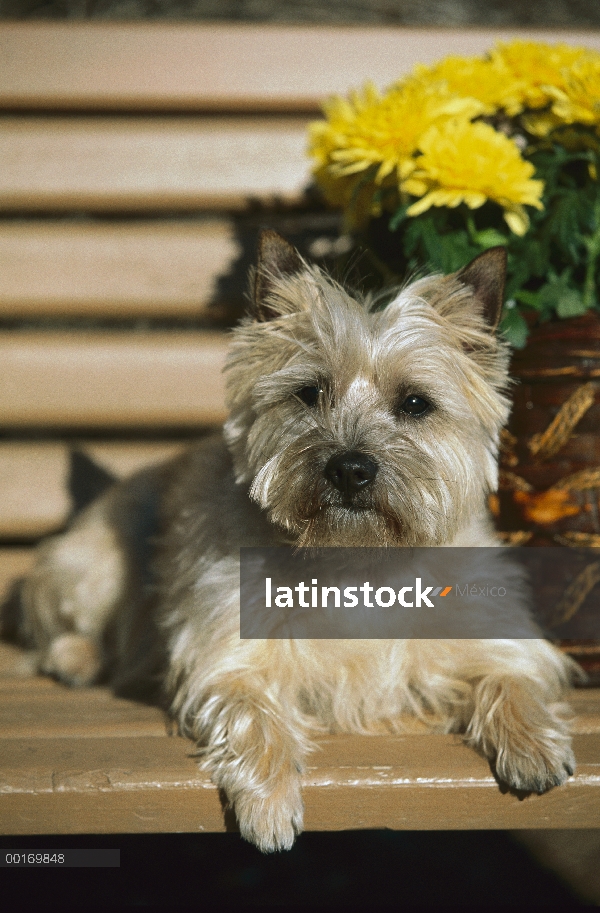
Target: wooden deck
87,762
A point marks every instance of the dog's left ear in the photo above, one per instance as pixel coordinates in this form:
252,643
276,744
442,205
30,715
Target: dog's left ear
486,276
276,259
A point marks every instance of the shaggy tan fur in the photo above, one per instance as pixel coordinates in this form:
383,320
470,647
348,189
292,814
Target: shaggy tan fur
99,605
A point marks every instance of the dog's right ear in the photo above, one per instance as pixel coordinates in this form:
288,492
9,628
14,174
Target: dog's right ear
276,259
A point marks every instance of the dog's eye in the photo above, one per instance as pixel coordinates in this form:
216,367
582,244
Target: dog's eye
309,395
415,405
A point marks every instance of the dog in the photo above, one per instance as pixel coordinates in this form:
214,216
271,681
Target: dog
350,424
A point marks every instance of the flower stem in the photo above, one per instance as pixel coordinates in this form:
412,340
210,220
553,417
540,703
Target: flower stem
592,243
471,229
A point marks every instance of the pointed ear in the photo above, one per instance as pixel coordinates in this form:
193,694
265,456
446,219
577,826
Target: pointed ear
276,259
486,276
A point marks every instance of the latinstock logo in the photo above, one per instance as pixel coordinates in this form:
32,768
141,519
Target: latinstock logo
385,597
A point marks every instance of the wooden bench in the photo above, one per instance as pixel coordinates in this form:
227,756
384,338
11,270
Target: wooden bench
136,163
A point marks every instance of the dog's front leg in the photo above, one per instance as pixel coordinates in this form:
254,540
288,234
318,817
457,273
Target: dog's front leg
516,721
505,697
255,753
528,743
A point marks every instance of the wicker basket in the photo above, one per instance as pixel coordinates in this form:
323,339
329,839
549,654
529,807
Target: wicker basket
549,492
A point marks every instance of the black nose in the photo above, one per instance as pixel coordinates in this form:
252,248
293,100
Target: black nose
351,471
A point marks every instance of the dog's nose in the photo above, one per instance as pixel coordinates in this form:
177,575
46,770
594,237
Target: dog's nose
351,471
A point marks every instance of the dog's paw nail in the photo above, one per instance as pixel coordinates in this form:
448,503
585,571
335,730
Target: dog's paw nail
570,770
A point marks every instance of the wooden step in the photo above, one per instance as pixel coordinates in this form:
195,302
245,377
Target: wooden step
150,784
224,67
50,712
83,761
111,380
116,270
140,164
34,499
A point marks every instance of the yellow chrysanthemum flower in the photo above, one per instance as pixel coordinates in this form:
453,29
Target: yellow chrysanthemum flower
578,99
378,130
488,80
419,138
538,66
470,163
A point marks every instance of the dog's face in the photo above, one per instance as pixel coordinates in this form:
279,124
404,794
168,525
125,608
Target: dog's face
368,427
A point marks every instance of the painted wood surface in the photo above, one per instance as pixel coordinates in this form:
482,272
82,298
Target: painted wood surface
111,380
148,164
122,270
224,67
86,762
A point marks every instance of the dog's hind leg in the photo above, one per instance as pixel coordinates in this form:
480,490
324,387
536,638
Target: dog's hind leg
70,595
86,607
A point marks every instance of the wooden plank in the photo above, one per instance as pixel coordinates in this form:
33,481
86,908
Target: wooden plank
17,667
82,761
145,784
221,67
122,459
84,380
153,781
122,270
585,704
14,562
61,713
141,164
34,497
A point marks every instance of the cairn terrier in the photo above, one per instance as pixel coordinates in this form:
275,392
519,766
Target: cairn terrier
349,425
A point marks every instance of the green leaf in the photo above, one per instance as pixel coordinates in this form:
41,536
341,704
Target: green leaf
531,299
433,244
570,215
528,258
559,296
554,269
571,304
514,328
490,237
456,251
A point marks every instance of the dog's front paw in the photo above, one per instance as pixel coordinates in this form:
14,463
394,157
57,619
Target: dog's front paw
271,822
537,763
525,737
